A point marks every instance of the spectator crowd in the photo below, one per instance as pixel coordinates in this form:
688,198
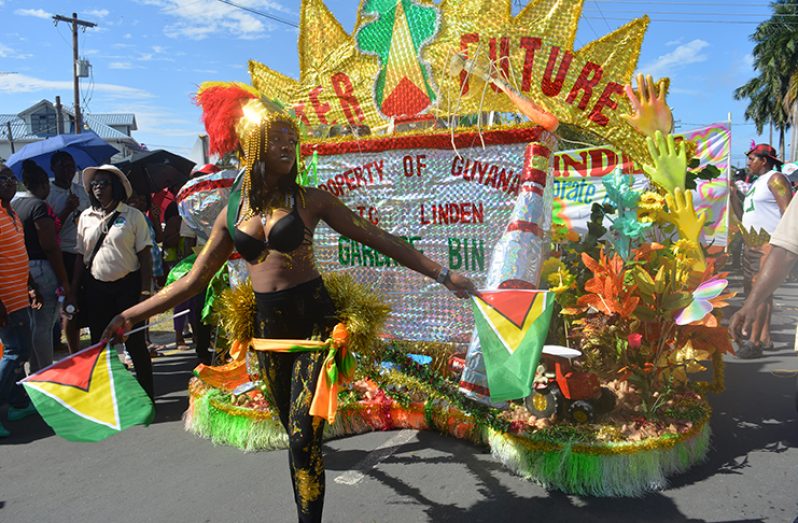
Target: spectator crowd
76,249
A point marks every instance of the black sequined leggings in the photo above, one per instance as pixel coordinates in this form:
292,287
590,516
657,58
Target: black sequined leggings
302,312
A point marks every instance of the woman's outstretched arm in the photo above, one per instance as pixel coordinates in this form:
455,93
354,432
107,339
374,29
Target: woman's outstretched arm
344,221
213,256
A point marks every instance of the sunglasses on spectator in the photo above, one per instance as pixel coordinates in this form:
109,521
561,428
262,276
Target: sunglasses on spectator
8,179
99,184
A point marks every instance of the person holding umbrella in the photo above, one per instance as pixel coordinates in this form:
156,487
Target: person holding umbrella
68,200
114,262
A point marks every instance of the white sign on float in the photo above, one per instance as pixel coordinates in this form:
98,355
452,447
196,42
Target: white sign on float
451,203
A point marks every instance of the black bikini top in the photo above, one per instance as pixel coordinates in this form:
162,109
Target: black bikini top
287,235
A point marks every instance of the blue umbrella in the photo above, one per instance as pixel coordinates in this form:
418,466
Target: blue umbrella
86,148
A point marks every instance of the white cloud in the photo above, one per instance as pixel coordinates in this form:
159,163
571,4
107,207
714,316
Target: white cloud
157,120
689,53
199,19
747,64
127,36
38,13
20,83
159,54
97,13
120,65
7,52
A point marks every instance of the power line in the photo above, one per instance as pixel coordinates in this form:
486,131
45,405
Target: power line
702,4
602,15
693,13
260,13
683,21
606,20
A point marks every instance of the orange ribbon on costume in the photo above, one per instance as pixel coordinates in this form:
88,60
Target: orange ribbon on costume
338,366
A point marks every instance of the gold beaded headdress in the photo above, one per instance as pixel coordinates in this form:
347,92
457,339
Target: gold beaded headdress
256,144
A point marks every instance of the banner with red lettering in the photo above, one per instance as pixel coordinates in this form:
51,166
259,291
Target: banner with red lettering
578,173
447,195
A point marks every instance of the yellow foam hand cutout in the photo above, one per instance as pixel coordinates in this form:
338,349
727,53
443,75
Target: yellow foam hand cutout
651,111
670,162
681,213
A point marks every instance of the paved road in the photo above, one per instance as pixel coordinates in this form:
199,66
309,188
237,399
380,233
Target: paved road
162,473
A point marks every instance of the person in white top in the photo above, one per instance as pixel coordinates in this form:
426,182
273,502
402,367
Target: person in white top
775,269
764,204
68,199
114,262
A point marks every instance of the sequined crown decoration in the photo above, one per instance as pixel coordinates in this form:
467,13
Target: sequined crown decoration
396,64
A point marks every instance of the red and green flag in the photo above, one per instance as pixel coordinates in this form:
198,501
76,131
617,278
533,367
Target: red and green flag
512,325
89,396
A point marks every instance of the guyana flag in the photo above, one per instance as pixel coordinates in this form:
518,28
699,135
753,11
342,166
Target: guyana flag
89,396
512,325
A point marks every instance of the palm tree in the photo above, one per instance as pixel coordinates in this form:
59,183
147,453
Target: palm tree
790,105
772,94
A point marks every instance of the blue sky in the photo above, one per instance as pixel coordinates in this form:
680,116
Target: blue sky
149,56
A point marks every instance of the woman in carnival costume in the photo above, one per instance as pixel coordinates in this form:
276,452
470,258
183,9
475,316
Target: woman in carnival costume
272,227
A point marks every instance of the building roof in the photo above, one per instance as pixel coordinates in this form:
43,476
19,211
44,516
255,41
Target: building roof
100,123
126,119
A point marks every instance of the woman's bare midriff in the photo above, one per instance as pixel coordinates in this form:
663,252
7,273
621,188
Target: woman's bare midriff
281,271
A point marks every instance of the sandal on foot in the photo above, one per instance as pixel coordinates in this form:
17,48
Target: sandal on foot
749,351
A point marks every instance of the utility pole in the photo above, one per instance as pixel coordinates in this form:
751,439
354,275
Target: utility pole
75,23
59,116
10,137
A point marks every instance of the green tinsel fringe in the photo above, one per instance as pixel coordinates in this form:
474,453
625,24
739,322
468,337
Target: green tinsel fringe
223,428
347,425
604,475
249,433
616,470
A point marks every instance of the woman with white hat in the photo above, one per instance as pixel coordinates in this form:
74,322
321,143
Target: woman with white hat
114,265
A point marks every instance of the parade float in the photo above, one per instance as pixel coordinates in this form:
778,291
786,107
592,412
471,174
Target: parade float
597,330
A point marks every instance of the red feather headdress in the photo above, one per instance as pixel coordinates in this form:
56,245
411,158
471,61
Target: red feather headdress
222,107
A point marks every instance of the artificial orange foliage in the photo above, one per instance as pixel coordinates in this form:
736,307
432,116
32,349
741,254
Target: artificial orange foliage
713,340
605,291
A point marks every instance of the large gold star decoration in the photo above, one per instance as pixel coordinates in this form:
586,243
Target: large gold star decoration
532,51
335,79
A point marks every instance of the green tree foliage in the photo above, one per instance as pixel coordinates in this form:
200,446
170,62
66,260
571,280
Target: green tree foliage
773,93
